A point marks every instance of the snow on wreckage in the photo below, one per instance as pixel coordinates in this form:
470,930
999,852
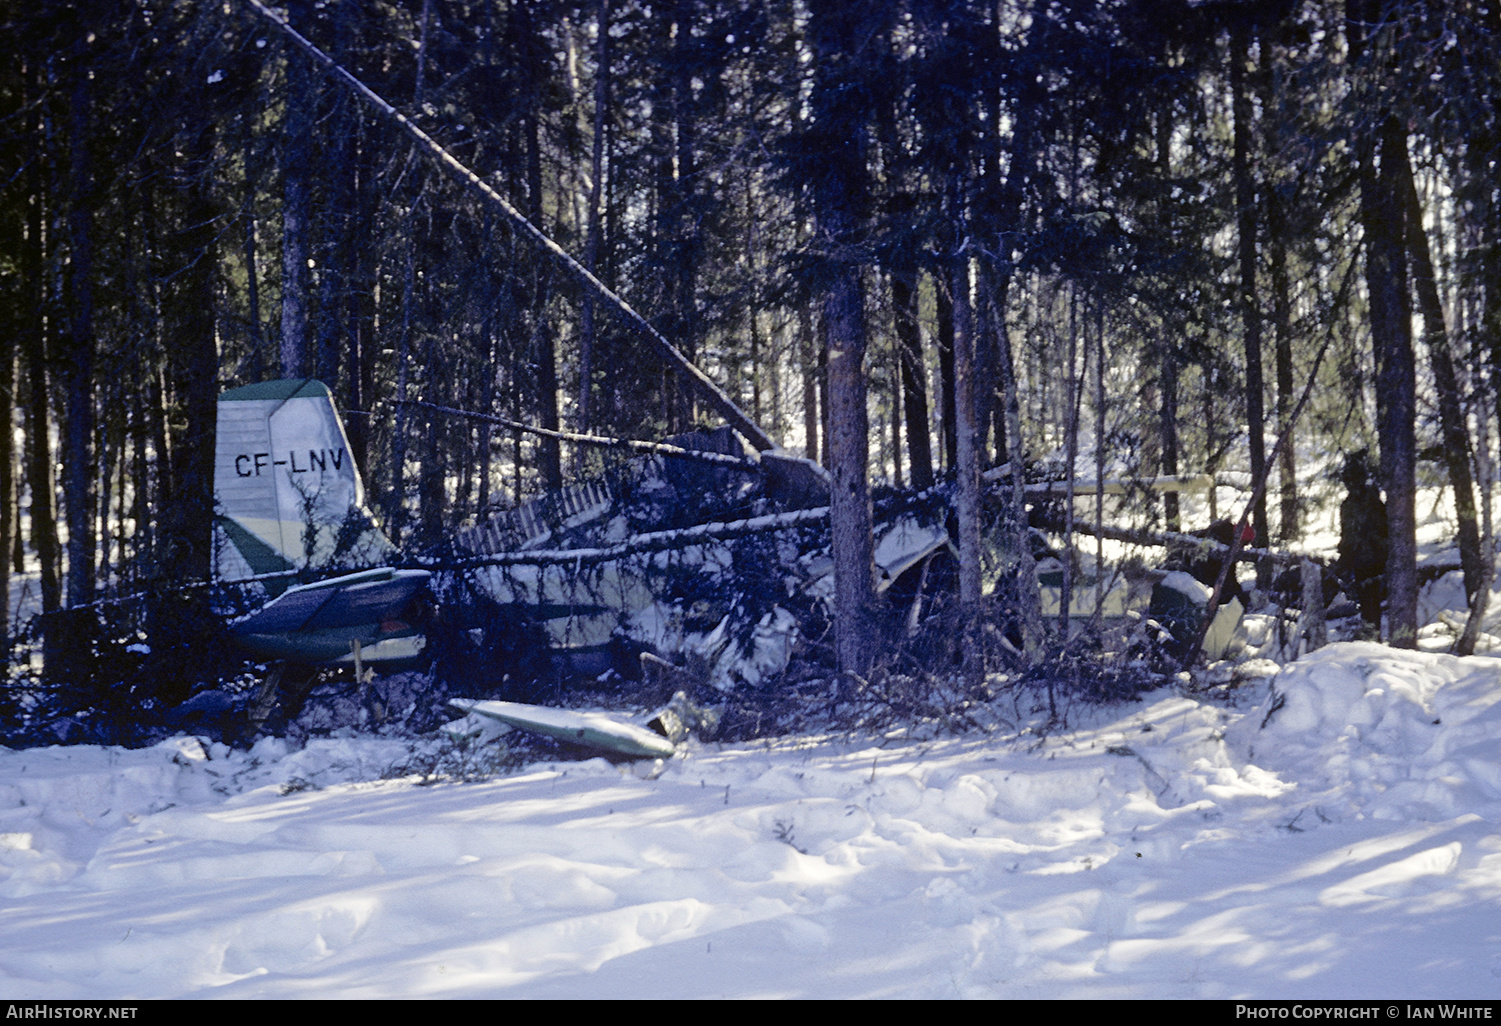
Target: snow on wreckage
580,577
696,551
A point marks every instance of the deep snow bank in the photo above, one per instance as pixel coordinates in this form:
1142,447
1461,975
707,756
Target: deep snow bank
1383,732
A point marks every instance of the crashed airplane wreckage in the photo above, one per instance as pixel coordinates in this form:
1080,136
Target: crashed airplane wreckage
582,571
595,571
697,550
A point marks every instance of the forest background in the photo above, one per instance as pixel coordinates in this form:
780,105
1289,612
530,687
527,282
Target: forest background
913,239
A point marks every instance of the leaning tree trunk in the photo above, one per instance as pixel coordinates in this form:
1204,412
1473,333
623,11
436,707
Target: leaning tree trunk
1446,382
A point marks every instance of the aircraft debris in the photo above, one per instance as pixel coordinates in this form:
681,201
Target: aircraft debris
594,573
681,717
593,730
696,549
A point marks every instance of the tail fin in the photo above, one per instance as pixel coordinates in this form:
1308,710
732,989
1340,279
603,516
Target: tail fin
288,494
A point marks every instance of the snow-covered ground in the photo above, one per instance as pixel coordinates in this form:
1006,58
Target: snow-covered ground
1346,845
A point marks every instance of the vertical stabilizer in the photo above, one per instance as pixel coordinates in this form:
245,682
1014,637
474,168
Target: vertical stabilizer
288,494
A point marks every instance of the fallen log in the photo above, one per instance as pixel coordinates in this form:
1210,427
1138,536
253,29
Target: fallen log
1168,539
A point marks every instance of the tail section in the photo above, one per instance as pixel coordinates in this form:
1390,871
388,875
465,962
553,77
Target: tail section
288,494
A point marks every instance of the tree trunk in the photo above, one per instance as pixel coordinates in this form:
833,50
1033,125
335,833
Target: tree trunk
1383,218
1289,520
529,48
812,361
1311,623
34,356
8,510
849,503
1169,420
967,474
296,207
361,307
945,313
177,616
78,434
676,228
338,245
1246,222
1023,568
433,501
596,188
39,479
1456,442
913,376
1486,479
74,641
1070,456
396,511
842,31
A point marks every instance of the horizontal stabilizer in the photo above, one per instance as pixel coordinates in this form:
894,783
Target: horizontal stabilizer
314,623
370,596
